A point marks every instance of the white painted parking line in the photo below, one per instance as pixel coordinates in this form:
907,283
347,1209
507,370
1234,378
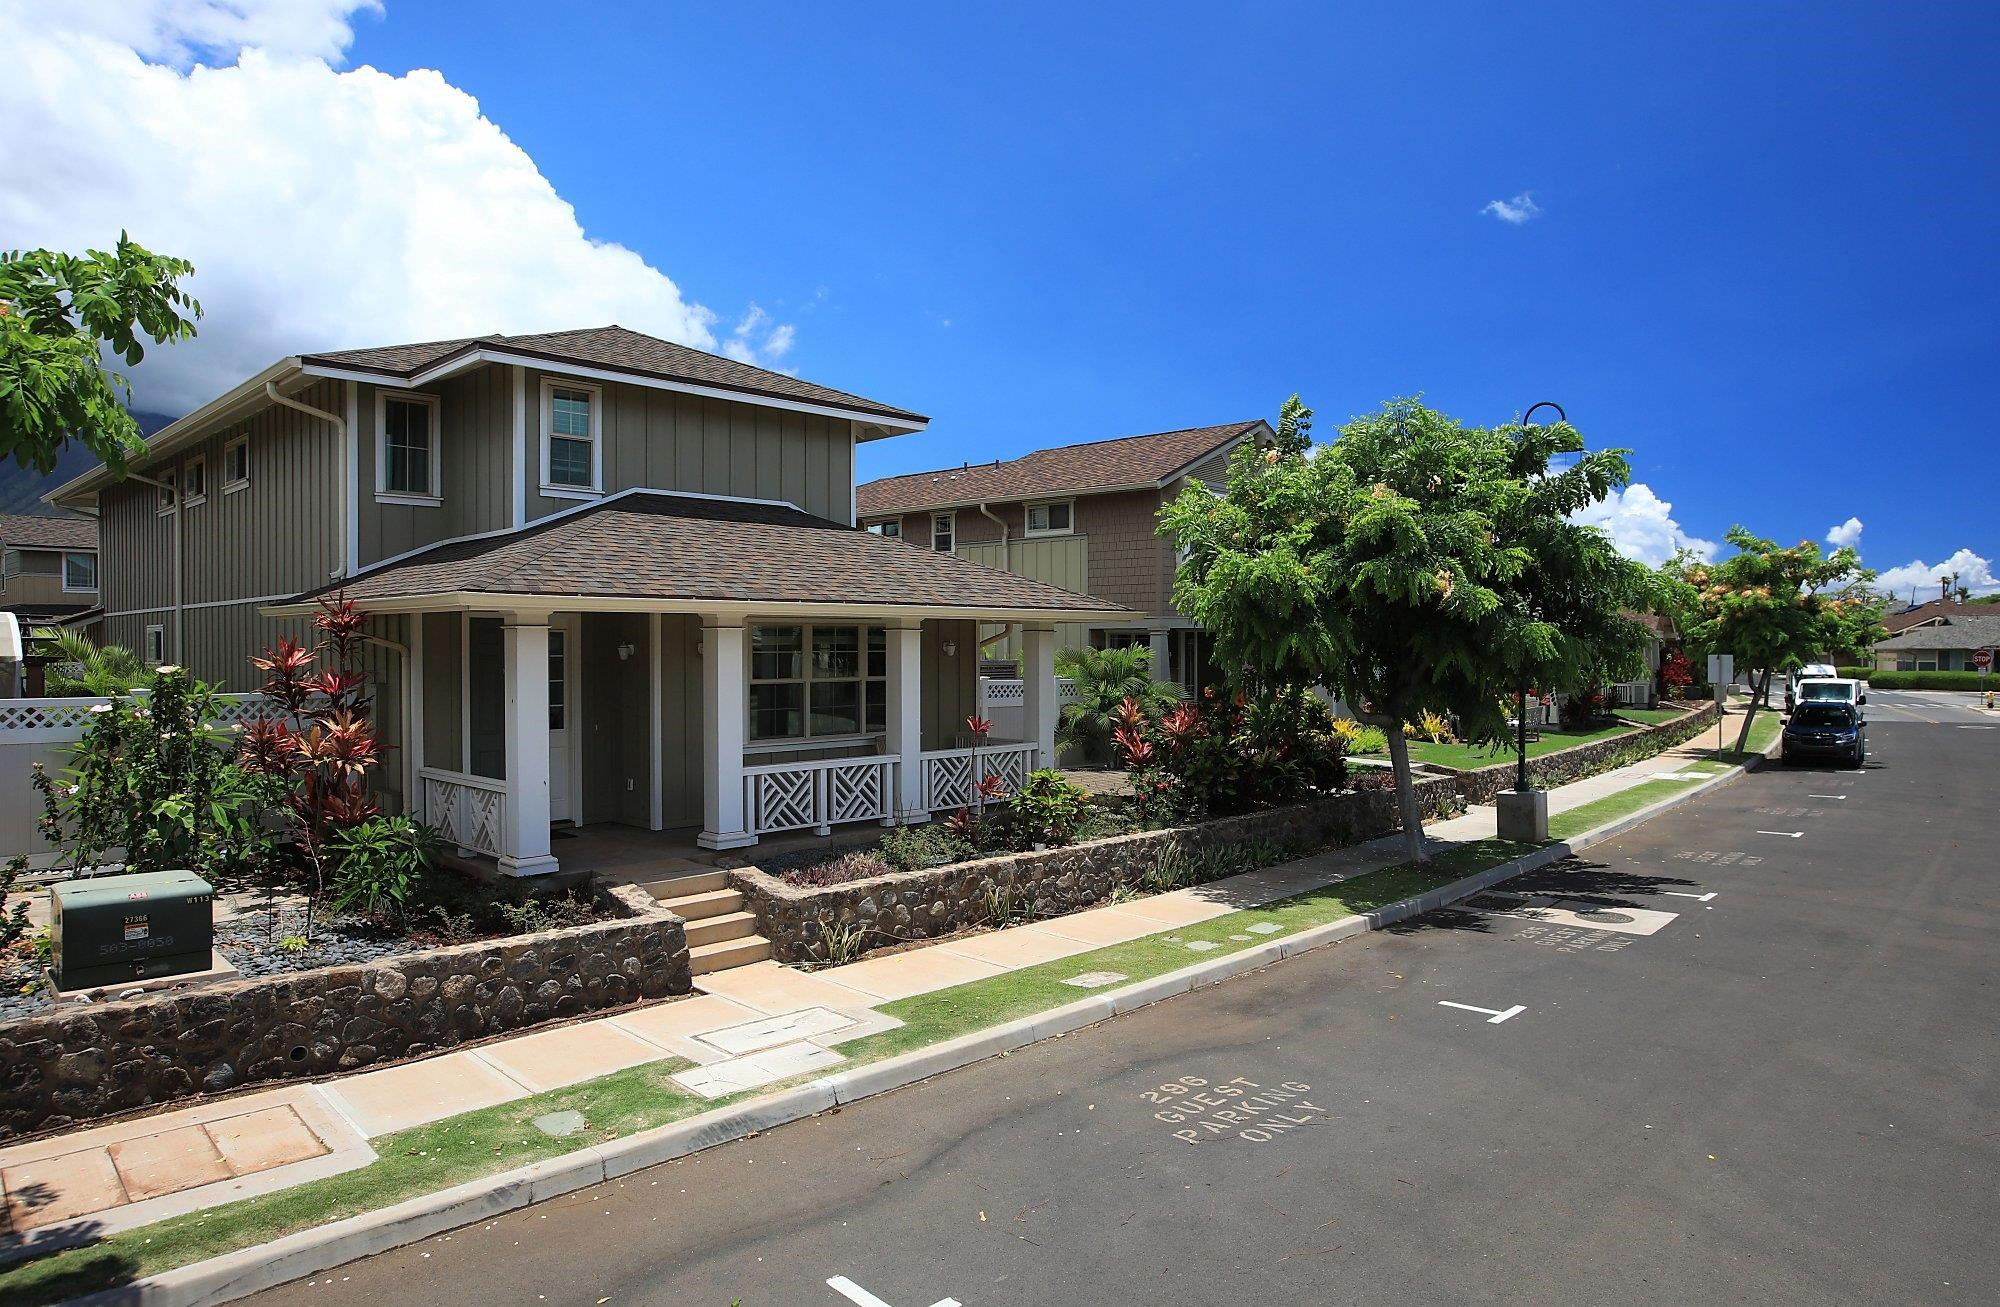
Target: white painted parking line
854,1293
1493,1015
1788,834
1826,796
1979,728
1683,894
1576,914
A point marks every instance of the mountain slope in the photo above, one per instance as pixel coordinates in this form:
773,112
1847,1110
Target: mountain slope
21,489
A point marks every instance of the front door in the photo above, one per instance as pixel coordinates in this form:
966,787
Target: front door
561,701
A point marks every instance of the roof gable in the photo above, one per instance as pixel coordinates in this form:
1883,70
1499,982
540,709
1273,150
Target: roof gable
25,531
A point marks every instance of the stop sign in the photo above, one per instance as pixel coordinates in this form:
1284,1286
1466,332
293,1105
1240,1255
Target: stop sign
1982,658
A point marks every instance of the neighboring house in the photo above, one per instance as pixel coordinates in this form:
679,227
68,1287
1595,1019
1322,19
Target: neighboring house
1085,517
48,568
1934,610
1942,644
613,579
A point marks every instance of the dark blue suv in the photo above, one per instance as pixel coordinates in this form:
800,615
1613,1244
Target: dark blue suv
1826,729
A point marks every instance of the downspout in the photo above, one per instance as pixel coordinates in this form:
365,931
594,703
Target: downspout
347,490
180,515
1006,565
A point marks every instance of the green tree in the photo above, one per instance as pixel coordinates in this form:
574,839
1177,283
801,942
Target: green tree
59,315
1774,609
1104,679
1413,564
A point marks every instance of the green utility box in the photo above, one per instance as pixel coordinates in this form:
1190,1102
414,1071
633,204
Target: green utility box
113,929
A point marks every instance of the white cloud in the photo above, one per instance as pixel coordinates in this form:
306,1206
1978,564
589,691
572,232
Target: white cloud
322,208
1515,211
1641,526
1974,573
757,339
1845,536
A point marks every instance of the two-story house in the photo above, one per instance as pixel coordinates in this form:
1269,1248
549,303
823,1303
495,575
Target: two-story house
611,579
48,568
1085,517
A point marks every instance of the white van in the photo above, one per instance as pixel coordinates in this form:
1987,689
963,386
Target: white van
1833,689
1814,671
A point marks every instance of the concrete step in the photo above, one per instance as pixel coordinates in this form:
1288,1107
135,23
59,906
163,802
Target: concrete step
708,903
713,930
674,887
704,958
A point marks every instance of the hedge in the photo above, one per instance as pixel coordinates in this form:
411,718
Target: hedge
1882,680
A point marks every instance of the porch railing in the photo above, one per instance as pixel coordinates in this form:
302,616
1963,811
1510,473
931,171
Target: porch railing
949,780
469,811
818,795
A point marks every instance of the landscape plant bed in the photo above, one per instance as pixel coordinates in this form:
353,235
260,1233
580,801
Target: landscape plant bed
1612,750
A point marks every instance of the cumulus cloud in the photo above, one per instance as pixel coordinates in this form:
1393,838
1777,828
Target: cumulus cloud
1974,573
1642,526
1845,536
322,207
758,339
1515,211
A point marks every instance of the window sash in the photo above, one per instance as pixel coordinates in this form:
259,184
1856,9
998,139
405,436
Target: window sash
79,571
236,463
1057,518
407,445
816,682
942,532
571,423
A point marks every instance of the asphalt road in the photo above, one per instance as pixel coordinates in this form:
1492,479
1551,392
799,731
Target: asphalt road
1785,1094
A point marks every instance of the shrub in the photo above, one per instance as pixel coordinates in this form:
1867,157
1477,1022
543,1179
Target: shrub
855,864
1105,679
547,912
1432,727
1676,674
1370,739
913,848
1048,809
1582,708
1923,680
1225,754
379,862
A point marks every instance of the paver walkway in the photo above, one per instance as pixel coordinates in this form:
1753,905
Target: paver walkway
743,1028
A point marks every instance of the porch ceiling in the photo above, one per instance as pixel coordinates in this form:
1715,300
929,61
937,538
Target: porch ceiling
655,551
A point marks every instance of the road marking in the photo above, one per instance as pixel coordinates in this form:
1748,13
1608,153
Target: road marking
1979,728
1683,894
1493,1016
1826,796
1788,834
854,1293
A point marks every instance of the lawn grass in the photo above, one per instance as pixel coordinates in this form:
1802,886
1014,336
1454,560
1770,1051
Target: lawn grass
1570,824
1464,757
420,1160
1651,716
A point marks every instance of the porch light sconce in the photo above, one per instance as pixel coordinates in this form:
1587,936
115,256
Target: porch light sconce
949,648
625,651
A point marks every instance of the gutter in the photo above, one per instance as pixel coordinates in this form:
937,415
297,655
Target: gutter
347,489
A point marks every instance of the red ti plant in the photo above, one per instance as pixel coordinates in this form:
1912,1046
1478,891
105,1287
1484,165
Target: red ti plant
324,746
979,728
1676,673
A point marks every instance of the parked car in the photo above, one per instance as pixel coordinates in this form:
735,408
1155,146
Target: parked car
1833,689
1826,728
1812,670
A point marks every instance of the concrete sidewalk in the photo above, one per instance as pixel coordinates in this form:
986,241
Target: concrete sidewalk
744,1028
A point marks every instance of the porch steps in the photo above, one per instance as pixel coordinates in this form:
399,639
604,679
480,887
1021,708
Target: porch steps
720,933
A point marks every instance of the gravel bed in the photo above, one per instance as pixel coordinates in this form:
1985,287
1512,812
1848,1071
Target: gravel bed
252,947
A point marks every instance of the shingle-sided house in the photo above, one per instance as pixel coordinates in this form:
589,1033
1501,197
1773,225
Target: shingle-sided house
48,567
1082,516
611,580
1944,642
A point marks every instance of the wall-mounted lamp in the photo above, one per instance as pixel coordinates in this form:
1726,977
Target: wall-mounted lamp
949,648
625,651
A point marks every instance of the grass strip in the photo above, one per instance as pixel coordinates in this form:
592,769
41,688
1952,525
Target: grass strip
1465,757
1651,716
1568,825
423,1159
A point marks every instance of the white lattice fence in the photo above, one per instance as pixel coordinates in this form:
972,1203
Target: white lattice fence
949,779
467,811
818,795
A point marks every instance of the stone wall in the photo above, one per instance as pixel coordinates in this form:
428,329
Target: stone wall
912,905
77,1063
1566,765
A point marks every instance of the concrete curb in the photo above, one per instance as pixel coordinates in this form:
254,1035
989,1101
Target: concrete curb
263,1266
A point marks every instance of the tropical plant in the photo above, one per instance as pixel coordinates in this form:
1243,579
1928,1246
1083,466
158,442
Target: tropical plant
1104,679
78,667
1370,740
915,848
379,863
1222,753
1048,809
1676,673
1413,564
60,314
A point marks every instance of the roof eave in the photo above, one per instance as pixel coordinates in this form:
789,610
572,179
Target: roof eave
494,601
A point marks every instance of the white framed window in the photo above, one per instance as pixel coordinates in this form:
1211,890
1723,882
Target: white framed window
817,682
79,571
236,464
1054,518
941,531
891,527
167,495
406,449
155,650
572,439
194,481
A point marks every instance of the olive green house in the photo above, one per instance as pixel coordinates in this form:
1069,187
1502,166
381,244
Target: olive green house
612,581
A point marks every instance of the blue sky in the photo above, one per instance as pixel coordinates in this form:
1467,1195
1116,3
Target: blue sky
1761,255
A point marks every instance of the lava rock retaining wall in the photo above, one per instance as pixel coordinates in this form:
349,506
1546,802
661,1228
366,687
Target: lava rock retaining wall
926,904
1566,765
78,1063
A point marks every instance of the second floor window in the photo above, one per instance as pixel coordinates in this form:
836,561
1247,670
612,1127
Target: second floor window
194,482
409,447
79,571
236,464
941,532
893,528
168,492
570,427
1049,519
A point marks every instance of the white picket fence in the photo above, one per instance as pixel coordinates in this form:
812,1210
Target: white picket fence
46,731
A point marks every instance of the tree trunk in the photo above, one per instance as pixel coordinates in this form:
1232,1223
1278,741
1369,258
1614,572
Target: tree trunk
1763,691
1406,793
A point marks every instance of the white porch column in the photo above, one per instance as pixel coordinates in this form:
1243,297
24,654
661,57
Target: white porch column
725,705
904,722
1039,704
524,834
1162,655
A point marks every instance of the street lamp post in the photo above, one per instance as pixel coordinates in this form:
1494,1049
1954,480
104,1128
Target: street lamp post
1523,815
1521,785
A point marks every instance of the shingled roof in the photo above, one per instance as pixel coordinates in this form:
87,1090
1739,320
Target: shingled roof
655,545
613,347
27,531
1125,463
1953,633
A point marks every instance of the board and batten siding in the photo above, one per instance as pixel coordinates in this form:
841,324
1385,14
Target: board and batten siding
475,459
1055,560
664,440
31,577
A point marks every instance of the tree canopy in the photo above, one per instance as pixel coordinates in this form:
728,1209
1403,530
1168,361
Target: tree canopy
59,315
1414,564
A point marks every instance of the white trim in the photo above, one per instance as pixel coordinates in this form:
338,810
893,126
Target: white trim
63,567
459,363
146,654
875,527
565,490
433,461
1028,528
655,700
1188,467
231,486
189,497
206,603
830,613
171,492
951,529
413,719
517,481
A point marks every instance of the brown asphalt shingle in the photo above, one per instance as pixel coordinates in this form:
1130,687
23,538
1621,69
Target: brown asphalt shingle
26,531
656,545
1068,469
617,348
